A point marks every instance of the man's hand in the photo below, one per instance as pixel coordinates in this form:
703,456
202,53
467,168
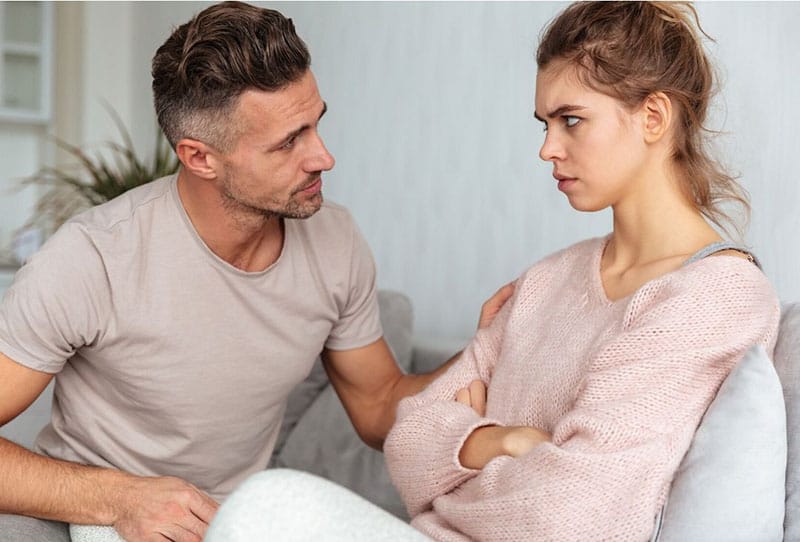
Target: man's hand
163,508
493,305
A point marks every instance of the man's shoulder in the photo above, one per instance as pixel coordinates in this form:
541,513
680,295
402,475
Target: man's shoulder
126,207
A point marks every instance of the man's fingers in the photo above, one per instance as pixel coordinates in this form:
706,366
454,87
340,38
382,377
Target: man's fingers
178,533
493,305
204,507
195,526
477,395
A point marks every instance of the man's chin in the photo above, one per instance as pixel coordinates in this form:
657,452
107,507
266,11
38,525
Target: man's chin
306,210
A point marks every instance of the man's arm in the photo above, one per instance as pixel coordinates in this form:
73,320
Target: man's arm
34,485
370,384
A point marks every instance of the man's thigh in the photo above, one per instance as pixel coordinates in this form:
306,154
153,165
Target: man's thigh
25,529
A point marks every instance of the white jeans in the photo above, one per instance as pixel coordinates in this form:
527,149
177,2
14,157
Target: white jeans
288,505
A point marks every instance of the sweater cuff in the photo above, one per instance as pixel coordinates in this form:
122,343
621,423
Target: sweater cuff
423,448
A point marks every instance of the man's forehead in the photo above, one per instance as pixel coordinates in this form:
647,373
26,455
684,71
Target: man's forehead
296,98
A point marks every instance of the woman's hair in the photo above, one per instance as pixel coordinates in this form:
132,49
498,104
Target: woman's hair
629,50
206,64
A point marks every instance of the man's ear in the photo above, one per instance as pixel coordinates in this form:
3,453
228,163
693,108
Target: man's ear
198,158
657,112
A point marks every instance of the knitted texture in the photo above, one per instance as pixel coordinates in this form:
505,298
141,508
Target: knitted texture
621,386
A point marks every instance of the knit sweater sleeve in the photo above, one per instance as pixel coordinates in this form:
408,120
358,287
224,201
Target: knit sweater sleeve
440,425
615,451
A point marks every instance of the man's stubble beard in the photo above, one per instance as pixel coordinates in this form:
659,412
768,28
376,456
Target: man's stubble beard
290,209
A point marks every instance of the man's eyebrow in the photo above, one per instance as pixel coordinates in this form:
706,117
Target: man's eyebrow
304,127
557,112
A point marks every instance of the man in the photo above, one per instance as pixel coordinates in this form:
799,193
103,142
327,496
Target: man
179,316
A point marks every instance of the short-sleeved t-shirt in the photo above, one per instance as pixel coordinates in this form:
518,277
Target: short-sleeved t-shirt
170,361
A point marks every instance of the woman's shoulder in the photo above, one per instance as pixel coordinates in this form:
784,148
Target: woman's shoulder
563,273
724,287
577,256
723,271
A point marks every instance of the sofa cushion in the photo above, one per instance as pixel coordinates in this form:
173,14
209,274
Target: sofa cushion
730,484
787,363
325,443
317,435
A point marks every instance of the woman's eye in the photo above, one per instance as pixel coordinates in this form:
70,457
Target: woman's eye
571,121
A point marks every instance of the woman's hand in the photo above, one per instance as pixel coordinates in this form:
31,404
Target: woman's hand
486,443
473,396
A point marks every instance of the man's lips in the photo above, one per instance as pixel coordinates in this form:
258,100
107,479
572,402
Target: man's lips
313,187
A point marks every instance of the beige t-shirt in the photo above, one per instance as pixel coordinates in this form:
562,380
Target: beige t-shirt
170,361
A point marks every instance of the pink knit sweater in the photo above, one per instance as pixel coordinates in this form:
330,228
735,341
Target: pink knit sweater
620,385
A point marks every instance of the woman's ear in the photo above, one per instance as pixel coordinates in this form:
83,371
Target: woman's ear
197,158
657,111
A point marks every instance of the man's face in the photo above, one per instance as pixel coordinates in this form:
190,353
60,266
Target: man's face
276,164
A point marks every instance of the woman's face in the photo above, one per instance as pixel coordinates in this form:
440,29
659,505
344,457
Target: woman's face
596,145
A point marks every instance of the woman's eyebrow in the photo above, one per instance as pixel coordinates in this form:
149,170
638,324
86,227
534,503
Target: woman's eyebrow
560,110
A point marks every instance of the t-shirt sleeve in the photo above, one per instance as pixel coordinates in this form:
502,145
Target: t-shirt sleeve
57,302
359,318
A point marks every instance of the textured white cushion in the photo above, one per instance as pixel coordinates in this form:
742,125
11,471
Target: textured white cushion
94,533
730,485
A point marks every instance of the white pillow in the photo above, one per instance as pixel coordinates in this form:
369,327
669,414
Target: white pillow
730,486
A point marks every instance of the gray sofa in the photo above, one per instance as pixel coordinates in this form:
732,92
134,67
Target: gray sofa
318,437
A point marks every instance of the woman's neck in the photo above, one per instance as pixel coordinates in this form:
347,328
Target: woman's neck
653,235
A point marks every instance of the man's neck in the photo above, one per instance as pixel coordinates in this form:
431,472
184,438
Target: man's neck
246,240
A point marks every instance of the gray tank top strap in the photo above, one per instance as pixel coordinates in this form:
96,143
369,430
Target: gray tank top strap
719,246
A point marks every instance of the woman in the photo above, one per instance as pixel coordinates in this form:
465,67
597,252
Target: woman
601,366
567,418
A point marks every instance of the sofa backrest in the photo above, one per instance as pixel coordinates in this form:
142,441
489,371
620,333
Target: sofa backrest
787,364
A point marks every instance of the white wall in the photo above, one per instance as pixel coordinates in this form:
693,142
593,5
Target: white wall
430,119
431,122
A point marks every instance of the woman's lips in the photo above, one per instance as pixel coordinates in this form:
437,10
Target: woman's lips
564,182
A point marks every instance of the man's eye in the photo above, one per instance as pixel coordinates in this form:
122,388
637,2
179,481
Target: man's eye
571,121
289,144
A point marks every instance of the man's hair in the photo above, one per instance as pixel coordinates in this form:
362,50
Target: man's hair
206,64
